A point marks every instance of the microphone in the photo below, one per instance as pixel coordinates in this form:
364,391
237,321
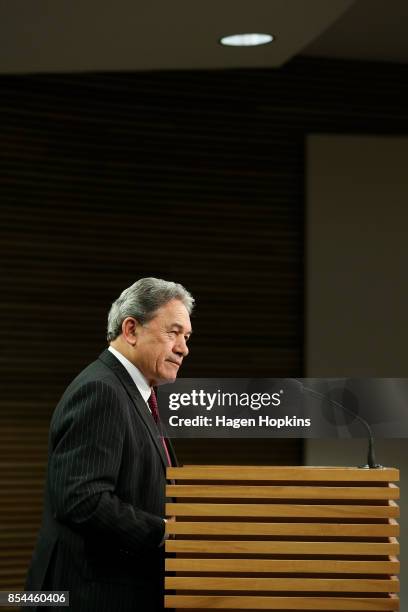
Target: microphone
371,460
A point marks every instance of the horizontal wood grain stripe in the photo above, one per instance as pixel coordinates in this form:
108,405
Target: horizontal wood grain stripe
297,566
16,553
22,466
36,503
284,492
282,510
15,522
292,529
12,492
357,604
357,585
13,481
295,473
20,533
14,571
283,547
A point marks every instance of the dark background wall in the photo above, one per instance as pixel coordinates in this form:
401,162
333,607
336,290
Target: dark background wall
196,177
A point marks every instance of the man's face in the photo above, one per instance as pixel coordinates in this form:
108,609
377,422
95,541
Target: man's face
161,344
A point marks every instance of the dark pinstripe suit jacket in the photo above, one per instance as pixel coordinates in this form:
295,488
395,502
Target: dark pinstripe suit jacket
104,497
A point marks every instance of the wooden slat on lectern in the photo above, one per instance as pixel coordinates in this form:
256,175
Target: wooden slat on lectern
288,492
293,566
279,473
283,547
381,530
372,604
389,585
284,510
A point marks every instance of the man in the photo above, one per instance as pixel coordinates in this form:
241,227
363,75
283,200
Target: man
103,527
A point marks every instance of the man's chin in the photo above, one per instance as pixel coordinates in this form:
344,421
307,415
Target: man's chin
167,379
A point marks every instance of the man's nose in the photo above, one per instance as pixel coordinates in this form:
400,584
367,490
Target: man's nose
181,347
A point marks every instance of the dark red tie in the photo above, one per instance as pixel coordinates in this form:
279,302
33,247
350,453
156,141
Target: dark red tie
155,413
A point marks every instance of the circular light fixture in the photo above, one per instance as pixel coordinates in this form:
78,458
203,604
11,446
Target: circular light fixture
246,40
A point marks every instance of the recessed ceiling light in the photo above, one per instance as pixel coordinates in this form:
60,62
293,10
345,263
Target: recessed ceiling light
246,40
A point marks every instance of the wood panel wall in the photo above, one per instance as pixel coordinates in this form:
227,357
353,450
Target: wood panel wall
191,176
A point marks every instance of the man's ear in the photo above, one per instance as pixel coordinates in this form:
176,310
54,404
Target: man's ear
130,330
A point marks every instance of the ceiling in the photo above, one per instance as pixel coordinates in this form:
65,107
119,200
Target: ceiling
370,30
69,36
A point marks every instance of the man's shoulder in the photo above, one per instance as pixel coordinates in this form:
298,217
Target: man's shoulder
96,373
95,389
97,370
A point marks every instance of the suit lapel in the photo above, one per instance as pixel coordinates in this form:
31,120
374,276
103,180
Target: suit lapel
110,360
172,453
170,447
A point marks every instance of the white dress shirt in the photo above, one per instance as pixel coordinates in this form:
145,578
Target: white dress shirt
135,374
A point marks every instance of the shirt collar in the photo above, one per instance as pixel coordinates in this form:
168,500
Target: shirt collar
135,374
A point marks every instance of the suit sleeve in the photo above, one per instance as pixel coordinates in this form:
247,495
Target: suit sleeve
84,466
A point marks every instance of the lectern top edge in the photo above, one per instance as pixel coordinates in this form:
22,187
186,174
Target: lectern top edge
283,473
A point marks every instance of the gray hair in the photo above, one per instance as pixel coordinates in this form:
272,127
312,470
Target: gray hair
141,301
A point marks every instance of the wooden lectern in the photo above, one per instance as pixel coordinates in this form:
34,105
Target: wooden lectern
282,538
